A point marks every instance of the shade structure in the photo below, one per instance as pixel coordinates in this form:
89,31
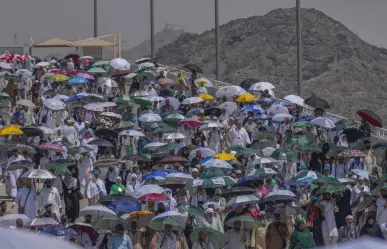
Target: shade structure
54,42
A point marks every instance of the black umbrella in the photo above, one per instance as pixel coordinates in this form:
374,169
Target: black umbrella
259,145
193,67
212,111
289,210
239,190
246,84
32,132
317,102
380,145
105,133
370,117
101,142
353,134
37,59
136,157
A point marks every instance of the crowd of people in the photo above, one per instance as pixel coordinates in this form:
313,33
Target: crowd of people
167,162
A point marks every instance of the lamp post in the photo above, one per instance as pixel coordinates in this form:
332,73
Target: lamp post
152,28
299,49
217,41
95,18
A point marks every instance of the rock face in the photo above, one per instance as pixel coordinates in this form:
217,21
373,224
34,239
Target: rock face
162,38
337,65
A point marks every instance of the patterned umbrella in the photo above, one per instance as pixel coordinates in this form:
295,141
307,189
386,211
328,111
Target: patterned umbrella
351,153
51,147
217,163
77,150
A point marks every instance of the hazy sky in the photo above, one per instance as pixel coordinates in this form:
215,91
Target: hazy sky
67,19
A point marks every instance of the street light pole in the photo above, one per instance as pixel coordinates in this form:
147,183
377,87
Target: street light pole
299,49
152,20
217,41
95,18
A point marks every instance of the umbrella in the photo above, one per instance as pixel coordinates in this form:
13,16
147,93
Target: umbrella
39,174
317,102
230,107
214,182
107,82
174,118
325,180
217,163
140,158
261,86
278,109
124,206
21,147
346,181
246,181
213,111
246,98
246,84
154,145
192,122
254,109
323,122
131,133
210,125
22,164
123,125
107,199
10,219
286,153
193,67
224,156
79,150
54,104
32,131
78,80
109,222
295,99
214,236
61,164
192,210
263,172
280,117
279,196
146,189
142,101
203,82
51,147
297,139
101,142
42,222
154,197
120,64
11,130
206,97
58,77
237,191
307,173
101,64
150,117
361,173
343,123
332,188
174,159
242,200
96,70
95,107
25,102
370,117
105,132
309,148
59,231
302,123
351,153
205,152
289,210
174,102
142,218
191,100
157,223
111,115
248,222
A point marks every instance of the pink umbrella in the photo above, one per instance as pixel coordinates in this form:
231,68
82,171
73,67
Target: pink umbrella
63,71
52,147
16,57
86,76
26,57
5,56
85,61
165,81
193,122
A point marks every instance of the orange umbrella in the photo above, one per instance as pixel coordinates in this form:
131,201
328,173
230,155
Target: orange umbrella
141,217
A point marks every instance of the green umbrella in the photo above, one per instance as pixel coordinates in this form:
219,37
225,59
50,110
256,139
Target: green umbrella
281,154
263,143
59,169
270,135
326,180
59,163
158,224
79,150
109,222
331,188
96,70
307,173
173,118
248,222
142,101
214,172
123,125
164,129
123,99
263,172
214,236
381,185
192,210
214,182
240,150
101,64
142,70
299,139
343,123
337,149
309,148
302,123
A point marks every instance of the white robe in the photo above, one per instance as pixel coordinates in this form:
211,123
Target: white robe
85,241
235,239
329,229
84,172
214,138
50,196
94,187
30,204
166,242
130,187
240,137
12,176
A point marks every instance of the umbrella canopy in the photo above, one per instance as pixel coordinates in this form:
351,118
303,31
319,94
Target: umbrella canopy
32,131
9,220
370,117
96,70
25,102
277,109
146,189
174,159
107,82
361,173
351,153
324,122
154,197
317,102
248,222
280,117
58,77
263,172
295,99
237,191
42,222
192,100
307,173
120,64
79,150
230,107
193,210
78,80
205,152
109,222
22,164
214,182
286,153
39,174
224,156
11,130
288,210
261,86
246,98
279,196
51,147
242,200
150,118
95,107
142,218
214,236
54,104
217,163
309,148
111,115
332,188
158,222
124,206
101,142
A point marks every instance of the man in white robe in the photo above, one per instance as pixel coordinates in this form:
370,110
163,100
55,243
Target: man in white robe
212,221
166,239
236,238
13,175
132,184
84,172
240,135
358,189
50,195
95,189
329,228
26,199
214,138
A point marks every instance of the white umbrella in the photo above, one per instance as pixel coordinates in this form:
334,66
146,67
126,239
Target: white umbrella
179,218
154,98
268,151
96,211
66,130
205,152
61,97
54,104
180,177
210,125
295,99
5,65
107,82
261,86
230,107
324,123
204,82
154,145
242,200
174,135
111,115
229,91
42,222
192,100
120,64
146,64
276,109
150,117
39,174
174,102
23,72
84,58
95,107
266,160
280,117
107,104
146,189
279,195
131,133
10,219
42,64
25,102
216,205
140,94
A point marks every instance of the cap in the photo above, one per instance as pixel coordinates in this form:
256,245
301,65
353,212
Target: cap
95,172
194,170
133,176
238,171
218,191
327,167
63,217
354,177
47,206
361,178
349,217
209,210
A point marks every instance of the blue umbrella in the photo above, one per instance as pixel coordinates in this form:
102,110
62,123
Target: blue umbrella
245,181
305,118
206,159
295,183
154,175
78,80
254,109
125,207
59,231
169,171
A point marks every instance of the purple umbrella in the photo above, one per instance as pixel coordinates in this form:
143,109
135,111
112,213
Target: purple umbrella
86,76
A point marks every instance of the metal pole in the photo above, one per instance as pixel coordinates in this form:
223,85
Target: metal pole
299,49
95,19
217,40
152,20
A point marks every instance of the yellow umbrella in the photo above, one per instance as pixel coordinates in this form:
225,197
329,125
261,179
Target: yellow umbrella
11,129
225,157
246,97
206,97
58,77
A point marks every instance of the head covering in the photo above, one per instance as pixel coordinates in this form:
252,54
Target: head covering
327,167
354,177
133,176
194,170
48,206
238,171
95,172
349,217
361,178
118,178
218,191
302,167
209,210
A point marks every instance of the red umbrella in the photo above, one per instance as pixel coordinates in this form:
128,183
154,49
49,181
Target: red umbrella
26,57
87,228
351,153
174,159
154,197
5,56
63,71
165,81
370,117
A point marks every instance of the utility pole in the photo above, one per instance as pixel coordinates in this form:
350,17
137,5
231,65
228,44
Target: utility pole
95,18
15,38
152,28
299,49
217,41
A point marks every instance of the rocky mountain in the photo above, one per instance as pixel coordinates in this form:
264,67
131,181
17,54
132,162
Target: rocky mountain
162,38
337,65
